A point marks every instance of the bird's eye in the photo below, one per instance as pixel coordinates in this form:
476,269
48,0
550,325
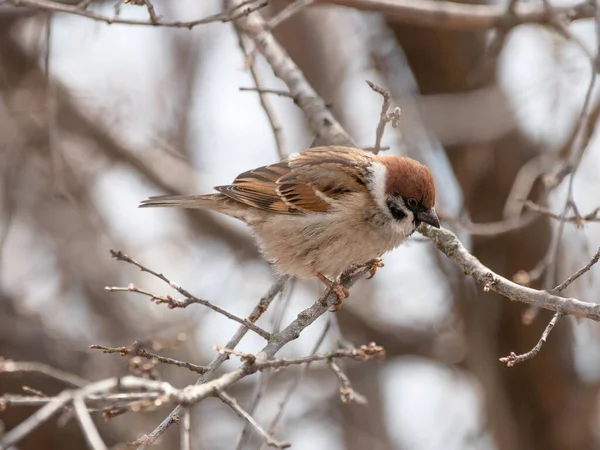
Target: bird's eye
412,203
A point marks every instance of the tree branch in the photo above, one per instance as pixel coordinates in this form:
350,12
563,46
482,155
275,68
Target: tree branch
323,124
174,303
449,244
459,16
57,7
233,404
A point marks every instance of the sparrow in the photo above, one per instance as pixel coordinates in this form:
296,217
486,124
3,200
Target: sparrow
324,209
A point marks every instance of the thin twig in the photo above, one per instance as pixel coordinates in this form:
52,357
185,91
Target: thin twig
277,341
16,434
513,358
464,16
297,380
384,117
264,101
321,121
140,351
578,220
347,392
361,353
491,228
151,12
233,404
89,430
287,12
57,374
565,284
54,6
174,303
257,312
268,91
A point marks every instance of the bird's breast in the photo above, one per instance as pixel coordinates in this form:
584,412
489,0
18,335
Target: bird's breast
327,243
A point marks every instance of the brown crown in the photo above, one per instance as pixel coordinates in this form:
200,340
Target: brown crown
409,178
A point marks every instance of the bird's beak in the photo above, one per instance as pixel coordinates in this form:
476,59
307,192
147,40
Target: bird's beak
429,217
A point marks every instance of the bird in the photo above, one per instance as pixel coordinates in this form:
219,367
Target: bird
324,209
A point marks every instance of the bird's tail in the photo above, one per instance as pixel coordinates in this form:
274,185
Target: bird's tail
208,201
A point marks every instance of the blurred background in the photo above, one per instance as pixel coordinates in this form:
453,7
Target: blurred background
95,118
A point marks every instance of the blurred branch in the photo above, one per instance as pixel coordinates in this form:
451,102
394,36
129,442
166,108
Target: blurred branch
565,284
491,228
233,404
174,303
576,219
7,366
347,393
264,101
89,430
296,382
288,12
186,430
57,7
463,16
326,128
268,91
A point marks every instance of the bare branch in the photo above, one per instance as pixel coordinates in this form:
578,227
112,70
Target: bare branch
513,358
174,303
268,91
23,366
86,423
257,312
323,124
233,404
362,353
491,228
57,7
459,16
140,351
576,219
151,12
287,12
186,428
347,392
264,101
565,284
449,244
384,117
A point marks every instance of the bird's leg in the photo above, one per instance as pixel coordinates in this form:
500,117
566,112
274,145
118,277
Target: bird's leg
339,290
375,264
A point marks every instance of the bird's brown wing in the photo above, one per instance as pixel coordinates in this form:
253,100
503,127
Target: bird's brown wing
309,181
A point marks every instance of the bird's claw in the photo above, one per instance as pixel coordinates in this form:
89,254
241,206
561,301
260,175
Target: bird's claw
342,293
377,263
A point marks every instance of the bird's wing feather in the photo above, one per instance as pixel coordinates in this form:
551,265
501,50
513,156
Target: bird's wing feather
308,182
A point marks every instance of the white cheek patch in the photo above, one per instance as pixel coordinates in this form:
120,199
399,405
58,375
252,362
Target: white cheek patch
377,185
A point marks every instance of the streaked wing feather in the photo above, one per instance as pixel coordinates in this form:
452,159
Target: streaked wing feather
308,182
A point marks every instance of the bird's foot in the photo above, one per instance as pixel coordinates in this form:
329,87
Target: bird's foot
375,264
340,291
